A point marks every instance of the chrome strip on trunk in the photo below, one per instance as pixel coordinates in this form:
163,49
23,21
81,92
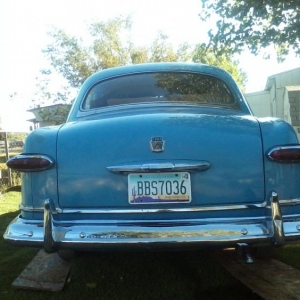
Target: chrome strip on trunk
177,166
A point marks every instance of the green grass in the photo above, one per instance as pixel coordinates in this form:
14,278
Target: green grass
290,255
2,158
15,175
127,275
12,260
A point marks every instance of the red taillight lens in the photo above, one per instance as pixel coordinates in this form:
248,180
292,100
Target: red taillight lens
30,162
285,154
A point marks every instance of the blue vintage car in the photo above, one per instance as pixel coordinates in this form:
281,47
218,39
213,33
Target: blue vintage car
159,156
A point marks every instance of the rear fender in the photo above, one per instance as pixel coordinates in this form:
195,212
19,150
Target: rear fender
283,178
39,186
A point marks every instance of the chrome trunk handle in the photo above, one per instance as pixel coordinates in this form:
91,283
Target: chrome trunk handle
176,166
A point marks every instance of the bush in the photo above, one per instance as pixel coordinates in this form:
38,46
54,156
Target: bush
15,178
3,166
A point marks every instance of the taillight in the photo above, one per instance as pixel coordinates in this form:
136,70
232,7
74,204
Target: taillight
285,154
30,162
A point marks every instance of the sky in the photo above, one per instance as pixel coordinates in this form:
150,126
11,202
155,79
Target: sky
23,33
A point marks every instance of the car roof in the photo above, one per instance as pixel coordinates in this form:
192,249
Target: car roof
158,67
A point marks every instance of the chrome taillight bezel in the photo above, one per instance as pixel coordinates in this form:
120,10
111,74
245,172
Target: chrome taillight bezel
30,162
285,154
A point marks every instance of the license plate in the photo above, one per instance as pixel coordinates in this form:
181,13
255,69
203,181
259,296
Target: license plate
152,188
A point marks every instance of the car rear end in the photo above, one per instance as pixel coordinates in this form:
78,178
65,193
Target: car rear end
160,169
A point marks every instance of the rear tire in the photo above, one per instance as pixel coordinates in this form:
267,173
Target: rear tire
66,254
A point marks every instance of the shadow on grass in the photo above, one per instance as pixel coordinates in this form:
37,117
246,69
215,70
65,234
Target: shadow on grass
154,275
142,276
16,188
13,259
5,219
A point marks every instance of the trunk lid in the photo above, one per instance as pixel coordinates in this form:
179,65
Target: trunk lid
230,143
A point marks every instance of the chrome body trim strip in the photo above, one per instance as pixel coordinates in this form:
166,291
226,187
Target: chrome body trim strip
160,210
29,208
295,201
145,210
177,166
288,202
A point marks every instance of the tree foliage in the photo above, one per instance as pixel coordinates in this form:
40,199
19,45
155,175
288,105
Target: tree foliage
109,46
256,24
204,55
56,114
45,93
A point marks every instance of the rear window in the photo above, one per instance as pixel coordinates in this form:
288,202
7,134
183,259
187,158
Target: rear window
189,88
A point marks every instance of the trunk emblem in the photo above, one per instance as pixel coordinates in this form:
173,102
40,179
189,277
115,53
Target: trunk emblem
157,144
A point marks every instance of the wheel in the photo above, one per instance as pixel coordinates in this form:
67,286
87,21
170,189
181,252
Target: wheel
262,251
66,254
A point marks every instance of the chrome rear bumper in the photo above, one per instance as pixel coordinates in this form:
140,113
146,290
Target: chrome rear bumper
99,235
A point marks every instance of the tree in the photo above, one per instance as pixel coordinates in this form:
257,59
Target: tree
255,24
56,114
109,46
202,54
44,94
